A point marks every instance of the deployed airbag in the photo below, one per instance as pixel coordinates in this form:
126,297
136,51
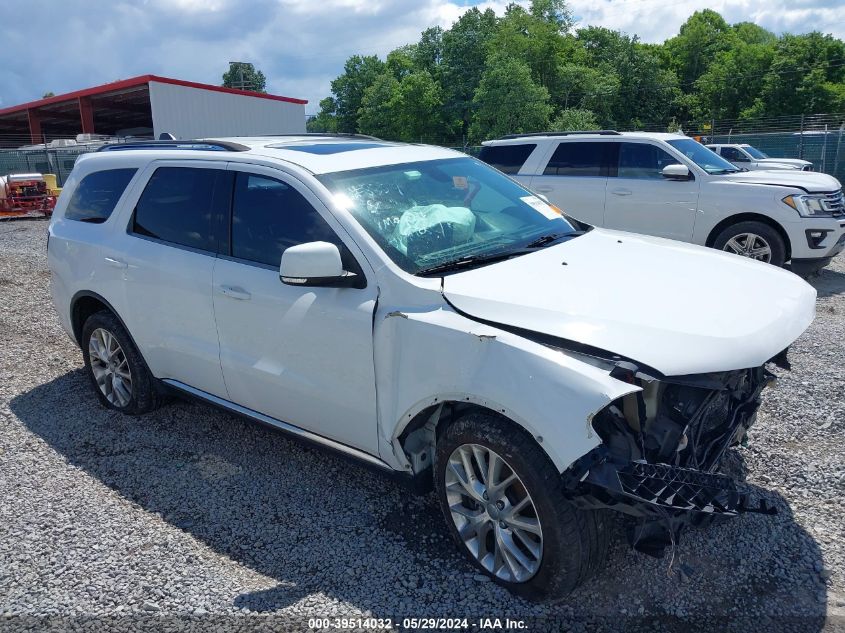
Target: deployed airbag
426,229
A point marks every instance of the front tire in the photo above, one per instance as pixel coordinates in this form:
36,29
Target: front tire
754,240
117,371
503,501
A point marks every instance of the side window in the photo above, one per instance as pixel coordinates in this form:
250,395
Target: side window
97,194
579,159
507,158
733,154
176,207
268,216
642,160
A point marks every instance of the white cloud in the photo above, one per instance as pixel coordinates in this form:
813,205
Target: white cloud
300,45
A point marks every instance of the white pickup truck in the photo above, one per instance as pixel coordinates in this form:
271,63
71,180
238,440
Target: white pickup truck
748,157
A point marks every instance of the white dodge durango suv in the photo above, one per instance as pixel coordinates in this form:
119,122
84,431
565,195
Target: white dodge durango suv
669,185
414,308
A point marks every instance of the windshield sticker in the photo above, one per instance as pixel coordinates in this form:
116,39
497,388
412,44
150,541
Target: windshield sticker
545,208
460,182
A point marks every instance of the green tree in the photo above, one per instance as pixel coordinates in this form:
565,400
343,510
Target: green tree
464,55
376,115
806,76
418,107
535,37
325,120
587,88
244,76
400,61
508,100
359,73
701,38
574,119
646,92
553,12
428,53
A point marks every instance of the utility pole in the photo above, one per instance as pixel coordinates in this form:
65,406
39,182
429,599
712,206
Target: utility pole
242,84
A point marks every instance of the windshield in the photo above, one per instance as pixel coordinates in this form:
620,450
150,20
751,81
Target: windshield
754,152
705,158
428,214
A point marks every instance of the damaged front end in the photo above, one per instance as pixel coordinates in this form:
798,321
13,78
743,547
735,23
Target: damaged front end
661,449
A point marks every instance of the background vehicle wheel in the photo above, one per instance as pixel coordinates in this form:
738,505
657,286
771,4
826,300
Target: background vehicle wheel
755,240
504,505
116,369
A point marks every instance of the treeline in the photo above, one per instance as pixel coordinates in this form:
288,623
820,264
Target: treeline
531,70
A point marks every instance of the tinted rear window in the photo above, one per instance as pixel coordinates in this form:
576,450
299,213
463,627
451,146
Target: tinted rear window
97,194
176,207
507,158
579,159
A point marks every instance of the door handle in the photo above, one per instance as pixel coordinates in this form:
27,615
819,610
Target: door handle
544,189
621,192
235,293
115,263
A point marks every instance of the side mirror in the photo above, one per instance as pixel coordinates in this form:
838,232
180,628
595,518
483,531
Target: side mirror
315,264
676,171
741,159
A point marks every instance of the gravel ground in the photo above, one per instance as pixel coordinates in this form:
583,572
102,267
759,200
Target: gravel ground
193,517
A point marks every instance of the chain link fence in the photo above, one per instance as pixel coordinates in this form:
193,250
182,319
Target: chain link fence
818,138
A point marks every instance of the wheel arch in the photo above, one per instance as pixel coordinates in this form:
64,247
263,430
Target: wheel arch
85,303
750,217
421,428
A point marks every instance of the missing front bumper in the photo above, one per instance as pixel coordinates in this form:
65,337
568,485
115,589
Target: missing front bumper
662,499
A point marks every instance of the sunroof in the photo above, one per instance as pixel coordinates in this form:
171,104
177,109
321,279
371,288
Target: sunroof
327,148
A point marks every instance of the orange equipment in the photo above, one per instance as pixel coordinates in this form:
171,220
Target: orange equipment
25,195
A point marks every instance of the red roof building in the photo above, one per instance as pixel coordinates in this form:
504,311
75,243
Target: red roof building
151,105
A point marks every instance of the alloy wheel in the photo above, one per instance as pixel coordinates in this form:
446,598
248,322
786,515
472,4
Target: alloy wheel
749,245
110,367
493,512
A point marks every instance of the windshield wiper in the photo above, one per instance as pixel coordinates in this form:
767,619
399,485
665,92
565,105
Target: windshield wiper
469,261
545,240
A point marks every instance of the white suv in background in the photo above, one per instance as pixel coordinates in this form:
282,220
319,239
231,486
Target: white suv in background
669,185
413,308
747,157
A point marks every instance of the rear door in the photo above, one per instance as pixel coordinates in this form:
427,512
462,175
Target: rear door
640,200
575,178
166,258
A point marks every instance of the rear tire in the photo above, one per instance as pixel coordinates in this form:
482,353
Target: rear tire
561,544
752,239
114,365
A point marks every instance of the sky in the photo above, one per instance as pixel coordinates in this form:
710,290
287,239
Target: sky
300,45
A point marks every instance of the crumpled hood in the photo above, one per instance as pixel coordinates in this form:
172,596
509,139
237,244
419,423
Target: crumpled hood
808,180
678,308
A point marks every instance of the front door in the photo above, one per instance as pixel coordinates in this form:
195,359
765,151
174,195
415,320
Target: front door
639,199
300,355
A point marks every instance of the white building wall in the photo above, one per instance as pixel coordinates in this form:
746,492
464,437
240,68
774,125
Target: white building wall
188,112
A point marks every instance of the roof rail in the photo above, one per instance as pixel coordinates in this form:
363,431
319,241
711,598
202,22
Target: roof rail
574,132
327,134
199,145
